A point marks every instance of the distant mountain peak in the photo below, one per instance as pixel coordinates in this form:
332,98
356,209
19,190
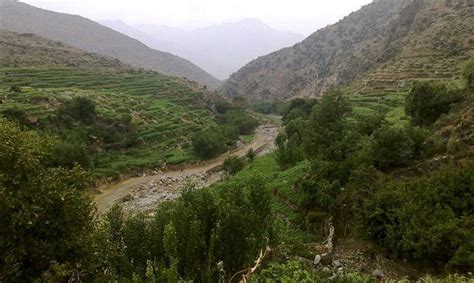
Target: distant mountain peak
220,49
383,46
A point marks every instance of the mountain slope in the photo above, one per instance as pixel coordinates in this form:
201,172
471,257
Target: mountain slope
26,50
143,119
90,36
401,40
220,49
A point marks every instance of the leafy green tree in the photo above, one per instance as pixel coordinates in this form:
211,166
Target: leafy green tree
427,101
81,109
46,215
208,143
328,128
391,147
170,244
244,122
222,106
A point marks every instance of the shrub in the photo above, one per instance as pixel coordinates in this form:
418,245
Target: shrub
233,164
426,218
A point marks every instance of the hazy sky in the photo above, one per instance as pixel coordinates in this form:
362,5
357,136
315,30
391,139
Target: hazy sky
302,16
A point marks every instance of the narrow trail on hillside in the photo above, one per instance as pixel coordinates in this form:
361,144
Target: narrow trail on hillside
144,193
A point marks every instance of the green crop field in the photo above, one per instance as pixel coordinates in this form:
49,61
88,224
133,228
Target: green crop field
165,111
389,104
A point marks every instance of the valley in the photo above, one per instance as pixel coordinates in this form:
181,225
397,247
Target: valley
347,157
146,192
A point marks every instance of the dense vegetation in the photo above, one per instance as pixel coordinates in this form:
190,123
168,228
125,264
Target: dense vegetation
119,120
403,188
233,120
365,169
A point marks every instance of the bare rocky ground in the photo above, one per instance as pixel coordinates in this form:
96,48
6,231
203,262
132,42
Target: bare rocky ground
145,197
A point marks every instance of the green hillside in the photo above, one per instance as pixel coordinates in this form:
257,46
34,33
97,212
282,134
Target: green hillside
166,110
145,119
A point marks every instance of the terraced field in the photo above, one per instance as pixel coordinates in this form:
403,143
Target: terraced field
389,104
166,111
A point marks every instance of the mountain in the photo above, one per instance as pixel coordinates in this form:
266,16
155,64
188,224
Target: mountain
220,49
383,46
93,37
27,50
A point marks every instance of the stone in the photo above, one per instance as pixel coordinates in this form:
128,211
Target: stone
317,260
377,273
336,263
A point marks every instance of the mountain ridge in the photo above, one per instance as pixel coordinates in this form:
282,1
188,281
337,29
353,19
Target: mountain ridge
90,36
381,33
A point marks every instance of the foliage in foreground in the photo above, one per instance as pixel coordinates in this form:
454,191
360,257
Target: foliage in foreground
200,237
46,216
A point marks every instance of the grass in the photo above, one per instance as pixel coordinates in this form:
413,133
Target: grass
166,111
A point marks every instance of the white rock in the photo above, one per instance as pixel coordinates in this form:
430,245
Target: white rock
317,260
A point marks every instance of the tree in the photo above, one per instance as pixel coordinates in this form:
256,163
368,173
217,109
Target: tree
245,123
81,109
328,128
391,147
427,101
208,143
46,215
222,106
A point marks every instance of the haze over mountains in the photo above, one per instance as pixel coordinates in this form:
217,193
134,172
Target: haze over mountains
93,37
220,49
383,46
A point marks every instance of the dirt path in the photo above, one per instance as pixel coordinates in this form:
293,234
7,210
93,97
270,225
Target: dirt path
143,193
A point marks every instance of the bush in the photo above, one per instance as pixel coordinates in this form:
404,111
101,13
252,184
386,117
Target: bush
426,102
425,218
233,164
